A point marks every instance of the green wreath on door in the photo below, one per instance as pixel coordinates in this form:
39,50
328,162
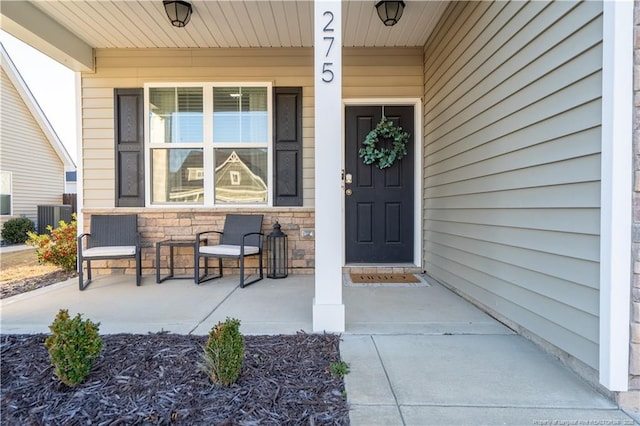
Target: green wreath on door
384,157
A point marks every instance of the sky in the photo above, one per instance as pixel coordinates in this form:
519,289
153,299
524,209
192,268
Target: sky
51,83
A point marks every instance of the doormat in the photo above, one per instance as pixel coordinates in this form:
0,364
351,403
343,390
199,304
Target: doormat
379,280
383,278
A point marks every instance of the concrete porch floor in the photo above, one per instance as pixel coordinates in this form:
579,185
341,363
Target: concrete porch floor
418,355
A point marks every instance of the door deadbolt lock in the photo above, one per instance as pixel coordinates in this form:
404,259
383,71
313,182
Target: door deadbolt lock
348,192
348,178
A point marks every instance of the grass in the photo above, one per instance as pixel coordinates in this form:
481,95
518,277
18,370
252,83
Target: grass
22,264
339,369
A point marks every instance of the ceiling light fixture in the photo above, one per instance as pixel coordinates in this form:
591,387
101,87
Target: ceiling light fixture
178,12
390,12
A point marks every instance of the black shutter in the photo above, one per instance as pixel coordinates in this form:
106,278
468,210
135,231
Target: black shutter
287,138
129,147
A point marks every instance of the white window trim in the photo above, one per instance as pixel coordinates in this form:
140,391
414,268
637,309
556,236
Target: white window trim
208,145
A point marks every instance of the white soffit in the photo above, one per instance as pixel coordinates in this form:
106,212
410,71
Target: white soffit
234,23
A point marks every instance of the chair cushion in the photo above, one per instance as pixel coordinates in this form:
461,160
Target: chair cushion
109,251
228,250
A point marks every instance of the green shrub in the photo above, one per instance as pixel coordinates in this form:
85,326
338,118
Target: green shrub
60,248
14,231
73,347
224,353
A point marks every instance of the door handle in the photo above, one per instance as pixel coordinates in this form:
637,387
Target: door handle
348,178
348,191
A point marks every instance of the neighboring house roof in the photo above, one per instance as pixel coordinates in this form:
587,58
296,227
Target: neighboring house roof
235,182
32,104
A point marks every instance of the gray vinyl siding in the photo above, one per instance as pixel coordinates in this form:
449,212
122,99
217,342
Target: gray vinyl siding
37,171
512,115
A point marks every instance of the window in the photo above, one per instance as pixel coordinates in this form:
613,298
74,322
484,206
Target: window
208,144
5,193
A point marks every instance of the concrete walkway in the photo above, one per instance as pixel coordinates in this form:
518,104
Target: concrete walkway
418,355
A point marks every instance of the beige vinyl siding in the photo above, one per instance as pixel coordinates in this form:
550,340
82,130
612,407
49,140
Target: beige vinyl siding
382,73
37,171
512,116
366,73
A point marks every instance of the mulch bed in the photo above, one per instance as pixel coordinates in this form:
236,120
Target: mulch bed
12,288
154,380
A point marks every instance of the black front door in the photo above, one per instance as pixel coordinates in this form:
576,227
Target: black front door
379,203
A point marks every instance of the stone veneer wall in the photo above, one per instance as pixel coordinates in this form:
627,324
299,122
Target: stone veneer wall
631,399
157,225
181,224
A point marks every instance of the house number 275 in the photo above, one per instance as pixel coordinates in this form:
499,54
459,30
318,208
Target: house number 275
327,30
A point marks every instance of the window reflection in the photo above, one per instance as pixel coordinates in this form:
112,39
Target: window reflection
177,176
241,176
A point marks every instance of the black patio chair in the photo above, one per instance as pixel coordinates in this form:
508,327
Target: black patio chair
110,237
241,237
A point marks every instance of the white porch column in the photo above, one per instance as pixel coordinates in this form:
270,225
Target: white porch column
328,309
616,183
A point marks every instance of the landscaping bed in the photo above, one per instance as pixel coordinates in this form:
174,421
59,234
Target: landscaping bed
154,380
20,272
23,285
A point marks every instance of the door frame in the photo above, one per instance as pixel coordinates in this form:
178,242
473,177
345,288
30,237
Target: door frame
417,168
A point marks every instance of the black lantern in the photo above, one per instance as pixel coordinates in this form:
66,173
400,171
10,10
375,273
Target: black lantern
277,253
390,12
178,12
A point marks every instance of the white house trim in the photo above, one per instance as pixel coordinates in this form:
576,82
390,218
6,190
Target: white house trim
616,191
328,307
79,156
28,23
417,137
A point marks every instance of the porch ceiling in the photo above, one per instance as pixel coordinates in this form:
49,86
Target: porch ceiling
234,23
